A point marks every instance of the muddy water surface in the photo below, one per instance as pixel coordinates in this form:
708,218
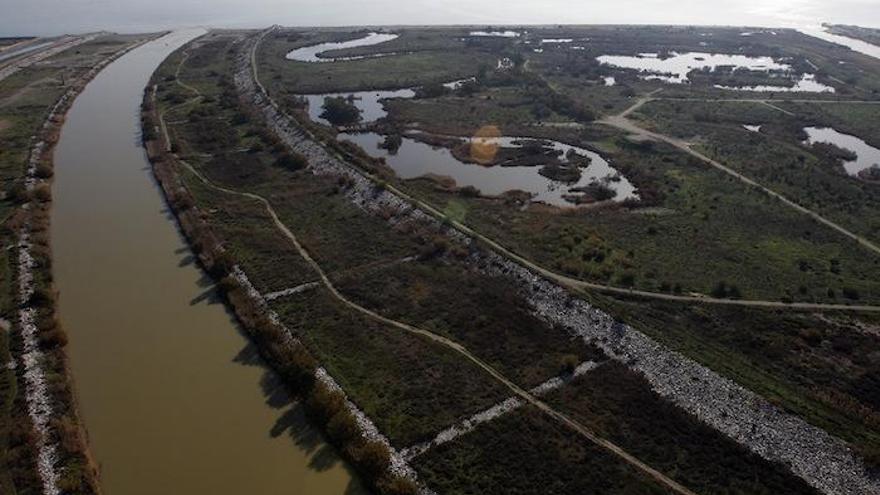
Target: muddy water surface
173,396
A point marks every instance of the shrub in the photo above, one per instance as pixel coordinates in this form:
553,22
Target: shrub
373,457
343,427
324,403
568,364
291,161
43,193
340,111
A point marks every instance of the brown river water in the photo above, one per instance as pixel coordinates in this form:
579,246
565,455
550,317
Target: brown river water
174,398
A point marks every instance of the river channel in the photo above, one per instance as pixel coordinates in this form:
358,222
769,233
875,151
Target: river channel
174,398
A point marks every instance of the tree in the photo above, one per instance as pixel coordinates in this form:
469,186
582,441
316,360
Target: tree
568,364
374,458
340,111
392,143
291,160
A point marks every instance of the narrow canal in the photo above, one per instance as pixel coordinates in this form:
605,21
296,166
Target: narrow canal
173,396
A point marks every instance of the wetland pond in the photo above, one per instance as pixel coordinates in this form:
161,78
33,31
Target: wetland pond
675,67
174,397
867,156
416,159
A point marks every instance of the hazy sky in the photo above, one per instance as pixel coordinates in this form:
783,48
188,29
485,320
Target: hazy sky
62,16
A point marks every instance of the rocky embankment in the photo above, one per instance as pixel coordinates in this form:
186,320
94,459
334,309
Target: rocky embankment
823,461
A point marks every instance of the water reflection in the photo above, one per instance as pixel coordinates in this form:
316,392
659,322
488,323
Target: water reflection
806,84
416,159
368,102
157,360
311,53
867,156
494,34
675,68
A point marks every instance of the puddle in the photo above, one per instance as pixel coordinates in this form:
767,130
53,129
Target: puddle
867,155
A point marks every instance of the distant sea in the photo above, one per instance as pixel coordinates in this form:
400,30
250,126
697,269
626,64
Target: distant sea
52,17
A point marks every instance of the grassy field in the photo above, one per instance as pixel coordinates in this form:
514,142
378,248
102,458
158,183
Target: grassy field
695,217
409,386
776,158
485,314
286,77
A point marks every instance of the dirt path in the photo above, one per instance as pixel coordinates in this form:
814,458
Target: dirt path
622,122
455,346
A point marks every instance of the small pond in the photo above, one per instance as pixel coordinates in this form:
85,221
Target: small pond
369,102
867,155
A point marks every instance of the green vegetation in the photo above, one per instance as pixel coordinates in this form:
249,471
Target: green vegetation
524,452
690,216
409,386
618,404
286,77
485,314
340,111
776,158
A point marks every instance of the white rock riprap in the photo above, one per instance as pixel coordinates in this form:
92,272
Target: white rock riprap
822,460
37,396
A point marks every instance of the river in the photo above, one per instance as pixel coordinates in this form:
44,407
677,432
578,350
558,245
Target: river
173,396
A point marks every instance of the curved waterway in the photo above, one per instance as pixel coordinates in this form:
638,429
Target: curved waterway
173,396
312,53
